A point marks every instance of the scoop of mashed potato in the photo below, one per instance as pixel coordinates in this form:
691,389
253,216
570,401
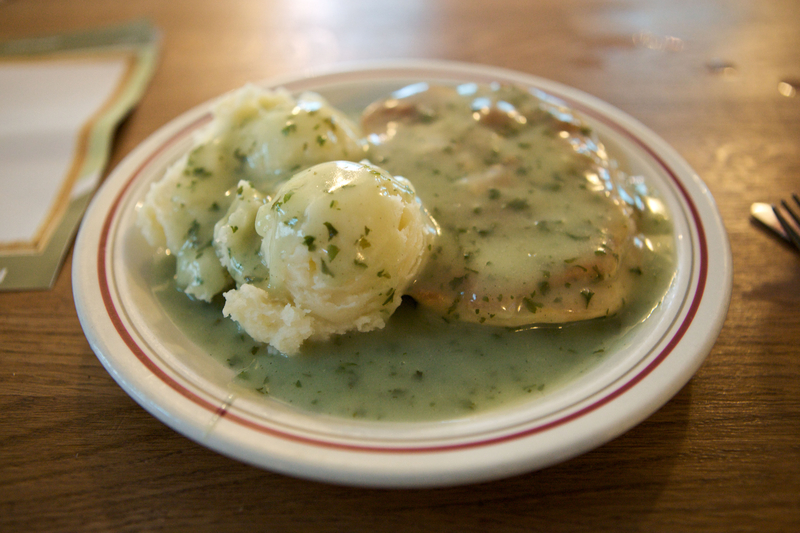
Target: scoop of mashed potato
342,242
258,135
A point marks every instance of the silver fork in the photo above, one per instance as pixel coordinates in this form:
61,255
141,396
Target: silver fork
786,225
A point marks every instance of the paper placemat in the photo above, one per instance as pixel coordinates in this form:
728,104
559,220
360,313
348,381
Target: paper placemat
61,99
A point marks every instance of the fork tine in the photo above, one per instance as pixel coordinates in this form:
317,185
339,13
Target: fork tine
787,227
790,211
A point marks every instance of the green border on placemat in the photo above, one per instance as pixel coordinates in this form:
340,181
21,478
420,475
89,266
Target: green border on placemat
38,269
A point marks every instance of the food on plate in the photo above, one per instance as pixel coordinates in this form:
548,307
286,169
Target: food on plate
341,242
236,242
537,226
257,135
454,248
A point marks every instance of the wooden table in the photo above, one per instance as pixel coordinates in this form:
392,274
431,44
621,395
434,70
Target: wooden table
77,454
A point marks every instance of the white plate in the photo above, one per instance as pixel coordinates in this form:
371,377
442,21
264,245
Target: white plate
189,391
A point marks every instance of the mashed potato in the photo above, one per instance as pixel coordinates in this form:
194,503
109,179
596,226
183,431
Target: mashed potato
236,242
257,135
342,242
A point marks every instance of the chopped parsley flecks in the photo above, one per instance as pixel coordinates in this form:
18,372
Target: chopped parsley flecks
333,251
278,205
389,297
325,270
518,204
240,156
544,287
457,281
332,232
200,172
531,306
576,237
193,234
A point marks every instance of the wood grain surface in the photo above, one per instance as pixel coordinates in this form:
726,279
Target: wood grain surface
77,454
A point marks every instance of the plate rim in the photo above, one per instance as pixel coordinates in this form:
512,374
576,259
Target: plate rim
354,472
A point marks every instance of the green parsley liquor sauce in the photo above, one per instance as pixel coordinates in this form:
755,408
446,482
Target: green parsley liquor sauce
420,367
